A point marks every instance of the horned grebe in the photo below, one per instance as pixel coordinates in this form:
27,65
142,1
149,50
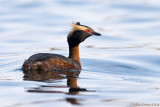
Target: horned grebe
49,62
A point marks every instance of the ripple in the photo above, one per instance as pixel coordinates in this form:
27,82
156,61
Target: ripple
119,68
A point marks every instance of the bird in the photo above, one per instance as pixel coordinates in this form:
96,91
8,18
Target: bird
56,62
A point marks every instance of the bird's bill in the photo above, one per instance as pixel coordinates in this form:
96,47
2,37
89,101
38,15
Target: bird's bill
96,33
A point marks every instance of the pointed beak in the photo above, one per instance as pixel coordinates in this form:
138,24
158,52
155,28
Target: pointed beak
96,33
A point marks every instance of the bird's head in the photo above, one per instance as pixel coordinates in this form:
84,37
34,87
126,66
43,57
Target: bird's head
79,33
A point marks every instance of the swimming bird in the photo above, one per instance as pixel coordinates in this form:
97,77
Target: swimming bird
49,62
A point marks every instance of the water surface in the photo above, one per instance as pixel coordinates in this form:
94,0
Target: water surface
120,68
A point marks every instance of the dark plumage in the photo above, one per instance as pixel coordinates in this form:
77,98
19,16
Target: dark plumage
48,62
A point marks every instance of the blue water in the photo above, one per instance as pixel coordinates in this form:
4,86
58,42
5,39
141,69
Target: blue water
120,68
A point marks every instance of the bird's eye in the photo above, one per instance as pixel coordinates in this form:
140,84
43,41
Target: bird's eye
86,30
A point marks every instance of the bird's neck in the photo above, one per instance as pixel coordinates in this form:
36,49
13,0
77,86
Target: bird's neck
74,53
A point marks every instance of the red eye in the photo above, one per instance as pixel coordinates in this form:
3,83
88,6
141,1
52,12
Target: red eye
86,30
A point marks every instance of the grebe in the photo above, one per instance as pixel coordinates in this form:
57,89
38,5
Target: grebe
49,62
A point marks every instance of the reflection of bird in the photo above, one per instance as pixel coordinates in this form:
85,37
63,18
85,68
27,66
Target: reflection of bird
47,61
53,77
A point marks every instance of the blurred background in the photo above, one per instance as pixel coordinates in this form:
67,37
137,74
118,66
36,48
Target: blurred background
120,67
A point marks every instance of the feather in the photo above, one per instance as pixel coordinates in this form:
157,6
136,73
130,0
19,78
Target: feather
78,27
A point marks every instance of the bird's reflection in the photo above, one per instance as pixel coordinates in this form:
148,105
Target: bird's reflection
54,77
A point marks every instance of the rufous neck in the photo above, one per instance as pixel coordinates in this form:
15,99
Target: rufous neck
74,53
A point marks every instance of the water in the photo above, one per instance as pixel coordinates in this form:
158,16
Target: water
120,68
